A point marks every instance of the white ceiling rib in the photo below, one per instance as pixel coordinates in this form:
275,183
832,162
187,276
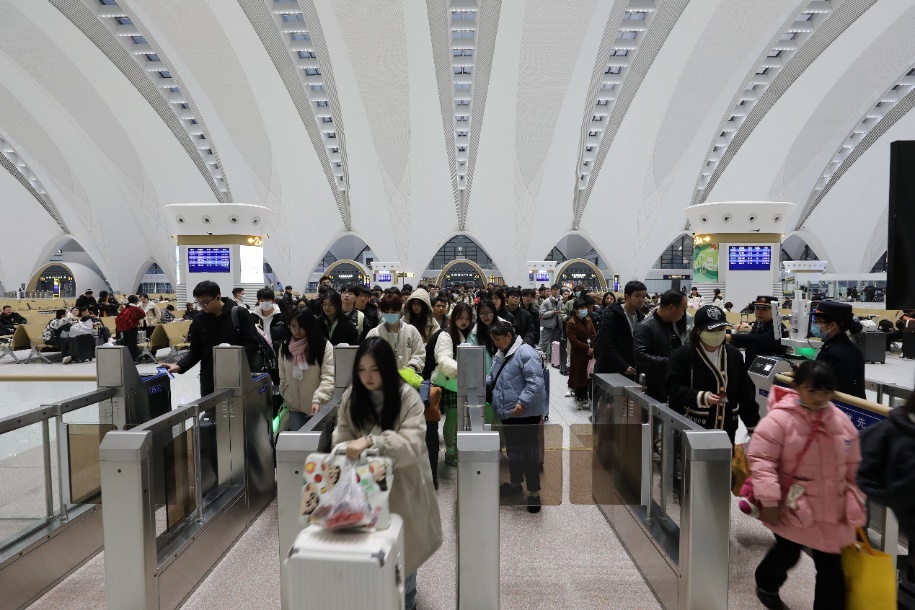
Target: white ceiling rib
20,170
122,23
888,109
290,20
463,26
811,17
818,33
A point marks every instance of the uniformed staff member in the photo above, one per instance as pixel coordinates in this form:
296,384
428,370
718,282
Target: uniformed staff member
760,341
832,321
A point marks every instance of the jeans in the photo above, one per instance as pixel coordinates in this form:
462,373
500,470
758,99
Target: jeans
297,419
829,592
410,592
521,445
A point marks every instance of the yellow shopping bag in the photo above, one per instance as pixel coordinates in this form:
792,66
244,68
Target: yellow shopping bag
870,577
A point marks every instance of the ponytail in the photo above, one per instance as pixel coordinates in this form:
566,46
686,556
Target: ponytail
854,326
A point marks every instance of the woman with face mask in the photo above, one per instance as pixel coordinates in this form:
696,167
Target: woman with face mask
406,341
707,379
832,321
582,338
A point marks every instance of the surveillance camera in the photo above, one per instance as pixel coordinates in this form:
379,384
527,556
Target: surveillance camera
256,220
703,219
233,219
752,217
180,220
777,218
726,218
206,220
209,232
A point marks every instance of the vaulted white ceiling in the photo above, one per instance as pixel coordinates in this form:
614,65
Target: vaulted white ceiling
404,122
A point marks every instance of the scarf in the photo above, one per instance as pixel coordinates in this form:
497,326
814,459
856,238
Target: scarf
299,364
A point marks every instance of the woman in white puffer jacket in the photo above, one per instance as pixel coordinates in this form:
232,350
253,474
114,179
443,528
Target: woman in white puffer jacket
445,375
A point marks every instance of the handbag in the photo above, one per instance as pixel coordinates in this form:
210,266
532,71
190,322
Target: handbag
791,491
492,386
374,473
740,470
870,576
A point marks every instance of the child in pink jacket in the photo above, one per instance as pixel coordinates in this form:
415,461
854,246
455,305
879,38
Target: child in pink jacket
822,506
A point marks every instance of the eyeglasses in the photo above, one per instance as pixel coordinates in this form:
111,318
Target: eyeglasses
486,314
204,303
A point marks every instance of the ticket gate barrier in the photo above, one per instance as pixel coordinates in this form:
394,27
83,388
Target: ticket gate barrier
294,447
51,481
663,483
177,506
478,488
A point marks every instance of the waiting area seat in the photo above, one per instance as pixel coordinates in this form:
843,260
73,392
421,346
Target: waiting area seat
176,333
33,332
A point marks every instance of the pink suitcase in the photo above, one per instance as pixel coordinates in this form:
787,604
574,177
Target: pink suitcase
554,354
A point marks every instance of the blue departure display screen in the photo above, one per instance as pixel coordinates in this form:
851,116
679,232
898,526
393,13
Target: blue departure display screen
384,276
208,260
542,276
749,258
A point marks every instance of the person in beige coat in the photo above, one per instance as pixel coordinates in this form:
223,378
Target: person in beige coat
404,339
418,313
380,410
306,366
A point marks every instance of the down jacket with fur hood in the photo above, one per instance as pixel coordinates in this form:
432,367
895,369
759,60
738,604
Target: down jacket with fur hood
521,381
831,506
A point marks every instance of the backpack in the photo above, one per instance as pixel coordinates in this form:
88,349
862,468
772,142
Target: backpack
429,368
51,332
264,359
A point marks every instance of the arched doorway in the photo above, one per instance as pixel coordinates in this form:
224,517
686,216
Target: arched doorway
347,273
580,271
54,279
460,272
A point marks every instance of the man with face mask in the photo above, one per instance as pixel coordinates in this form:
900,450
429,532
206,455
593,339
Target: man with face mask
760,341
707,379
270,318
832,321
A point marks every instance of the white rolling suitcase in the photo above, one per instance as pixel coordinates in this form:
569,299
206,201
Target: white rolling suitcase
346,570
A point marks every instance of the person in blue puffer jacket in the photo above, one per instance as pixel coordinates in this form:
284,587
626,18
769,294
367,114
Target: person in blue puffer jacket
518,398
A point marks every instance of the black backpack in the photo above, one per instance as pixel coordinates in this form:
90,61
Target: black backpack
264,359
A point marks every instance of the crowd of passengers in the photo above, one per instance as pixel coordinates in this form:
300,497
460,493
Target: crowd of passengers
692,362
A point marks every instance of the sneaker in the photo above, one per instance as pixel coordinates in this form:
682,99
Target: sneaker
533,504
67,359
569,394
583,405
507,489
770,600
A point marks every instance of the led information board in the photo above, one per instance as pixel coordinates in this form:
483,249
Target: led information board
749,258
208,260
384,276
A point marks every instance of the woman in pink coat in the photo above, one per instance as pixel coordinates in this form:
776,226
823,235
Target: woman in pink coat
821,506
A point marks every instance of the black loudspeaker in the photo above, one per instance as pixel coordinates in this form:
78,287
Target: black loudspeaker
900,269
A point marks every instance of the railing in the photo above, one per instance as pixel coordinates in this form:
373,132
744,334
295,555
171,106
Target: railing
888,393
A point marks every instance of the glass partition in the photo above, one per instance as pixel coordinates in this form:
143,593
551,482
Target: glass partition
23,476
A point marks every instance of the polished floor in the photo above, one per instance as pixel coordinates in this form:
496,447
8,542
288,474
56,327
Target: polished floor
564,557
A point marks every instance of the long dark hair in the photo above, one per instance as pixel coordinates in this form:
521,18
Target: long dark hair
334,297
459,310
362,409
314,354
483,330
420,320
503,307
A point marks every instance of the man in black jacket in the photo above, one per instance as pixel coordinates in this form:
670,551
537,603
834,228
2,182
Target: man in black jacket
88,301
528,302
9,320
655,338
760,341
614,335
213,326
524,324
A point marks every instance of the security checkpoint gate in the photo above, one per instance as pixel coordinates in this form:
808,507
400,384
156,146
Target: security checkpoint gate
161,542
68,531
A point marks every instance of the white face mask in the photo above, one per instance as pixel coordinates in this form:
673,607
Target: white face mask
710,337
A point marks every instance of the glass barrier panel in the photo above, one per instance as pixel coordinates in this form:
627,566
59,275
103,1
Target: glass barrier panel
19,396
180,486
83,441
582,462
531,463
23,501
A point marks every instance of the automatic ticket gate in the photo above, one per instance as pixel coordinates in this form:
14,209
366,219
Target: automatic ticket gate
763,371
183,486
61,516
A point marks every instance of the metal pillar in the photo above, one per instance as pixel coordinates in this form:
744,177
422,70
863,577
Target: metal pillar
705,520
478,491
128,522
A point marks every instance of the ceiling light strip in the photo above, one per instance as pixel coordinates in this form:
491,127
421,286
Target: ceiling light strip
101,23
814,29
